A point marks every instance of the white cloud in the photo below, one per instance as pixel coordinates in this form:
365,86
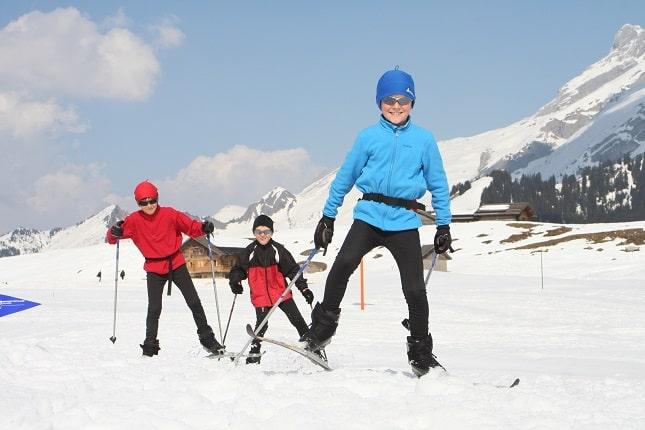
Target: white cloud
63,53
119,19
74,190
168,36
48,59
238,176
23,119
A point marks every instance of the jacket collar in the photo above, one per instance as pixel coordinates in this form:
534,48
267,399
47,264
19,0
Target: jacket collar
394,128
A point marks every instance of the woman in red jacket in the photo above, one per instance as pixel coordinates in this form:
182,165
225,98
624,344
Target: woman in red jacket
157,232
266,263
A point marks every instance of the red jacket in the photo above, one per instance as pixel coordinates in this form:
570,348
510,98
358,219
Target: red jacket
266,267
158,236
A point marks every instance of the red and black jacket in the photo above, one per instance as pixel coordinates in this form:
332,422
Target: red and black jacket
266,267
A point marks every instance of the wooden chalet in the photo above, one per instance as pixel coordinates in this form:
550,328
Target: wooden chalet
196,252
427,252
520,211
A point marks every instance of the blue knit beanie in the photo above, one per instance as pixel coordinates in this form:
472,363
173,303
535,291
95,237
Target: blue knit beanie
394,82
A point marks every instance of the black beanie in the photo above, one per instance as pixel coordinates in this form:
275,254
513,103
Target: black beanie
262,220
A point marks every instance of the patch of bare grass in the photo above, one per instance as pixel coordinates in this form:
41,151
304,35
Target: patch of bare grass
557,231
635,236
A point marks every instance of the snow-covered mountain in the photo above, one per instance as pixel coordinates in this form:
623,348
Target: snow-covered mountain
595,116
274,201
229,212
90,231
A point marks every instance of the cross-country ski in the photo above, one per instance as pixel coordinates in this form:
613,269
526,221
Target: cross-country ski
314,358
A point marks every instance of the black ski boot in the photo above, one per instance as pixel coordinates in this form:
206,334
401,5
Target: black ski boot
208,341
150,347
420,355
323,327
254,353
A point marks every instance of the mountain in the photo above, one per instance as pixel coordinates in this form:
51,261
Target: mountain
274,201
229,212
596,115
87,232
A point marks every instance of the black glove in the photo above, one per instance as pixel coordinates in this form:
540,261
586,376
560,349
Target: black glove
236,287
324,232
208,227
308,295
442,239
117,229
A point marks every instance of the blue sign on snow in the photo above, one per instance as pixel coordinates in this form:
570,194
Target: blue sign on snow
10,305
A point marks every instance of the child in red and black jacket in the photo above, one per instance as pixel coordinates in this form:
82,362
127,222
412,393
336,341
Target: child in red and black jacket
157,232
266,263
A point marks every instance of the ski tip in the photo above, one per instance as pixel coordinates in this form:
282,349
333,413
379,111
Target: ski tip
250,331
515,383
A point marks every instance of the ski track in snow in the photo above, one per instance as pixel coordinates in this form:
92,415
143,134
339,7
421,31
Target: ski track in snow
578,346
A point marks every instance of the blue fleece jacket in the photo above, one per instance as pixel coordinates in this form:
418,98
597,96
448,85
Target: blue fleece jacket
396,161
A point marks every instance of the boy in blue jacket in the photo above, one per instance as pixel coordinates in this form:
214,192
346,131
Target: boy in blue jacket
392,163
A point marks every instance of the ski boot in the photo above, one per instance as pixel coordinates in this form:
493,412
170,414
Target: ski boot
323,327
254,353
208,341
150,347
420,356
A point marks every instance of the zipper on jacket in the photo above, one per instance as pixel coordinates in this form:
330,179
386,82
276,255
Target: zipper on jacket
266,285
392,162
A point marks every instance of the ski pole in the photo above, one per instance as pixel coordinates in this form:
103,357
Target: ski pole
230,314
116,283
275,305
210,257
434,261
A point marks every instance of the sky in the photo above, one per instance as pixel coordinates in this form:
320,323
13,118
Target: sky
217,103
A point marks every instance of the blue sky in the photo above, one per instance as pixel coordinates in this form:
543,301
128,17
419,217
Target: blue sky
218,102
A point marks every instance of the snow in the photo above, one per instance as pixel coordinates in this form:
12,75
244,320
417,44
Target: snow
468,202
229,212
575,337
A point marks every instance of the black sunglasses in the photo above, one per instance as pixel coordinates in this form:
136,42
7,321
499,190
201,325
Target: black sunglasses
143,203
402,100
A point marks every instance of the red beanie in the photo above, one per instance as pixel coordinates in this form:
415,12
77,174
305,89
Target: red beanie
144,190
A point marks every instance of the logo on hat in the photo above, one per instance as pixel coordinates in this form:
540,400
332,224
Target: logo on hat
409,91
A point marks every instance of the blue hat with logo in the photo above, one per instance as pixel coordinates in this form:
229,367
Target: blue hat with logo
394,82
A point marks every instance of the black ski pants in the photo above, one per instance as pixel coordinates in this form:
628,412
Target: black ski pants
182,279
290,310
404,246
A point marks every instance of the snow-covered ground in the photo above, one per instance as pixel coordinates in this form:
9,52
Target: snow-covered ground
575,337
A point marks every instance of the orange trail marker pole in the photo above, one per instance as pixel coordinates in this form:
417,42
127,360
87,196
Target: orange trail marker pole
362,286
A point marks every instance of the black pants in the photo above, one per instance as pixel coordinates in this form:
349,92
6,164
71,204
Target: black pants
290,310
406,250
182,279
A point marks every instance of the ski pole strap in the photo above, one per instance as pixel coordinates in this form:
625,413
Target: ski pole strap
169,258
394,201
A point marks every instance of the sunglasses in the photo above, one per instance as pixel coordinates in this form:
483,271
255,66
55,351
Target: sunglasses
266,232
401,100
144,203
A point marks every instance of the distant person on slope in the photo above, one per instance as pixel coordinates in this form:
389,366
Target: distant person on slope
393,163
266,264
157,232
